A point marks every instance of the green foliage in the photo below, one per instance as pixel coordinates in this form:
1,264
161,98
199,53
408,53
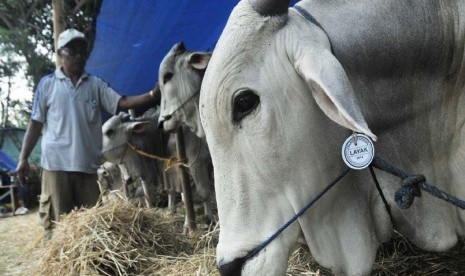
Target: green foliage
8,66
19,113
26,30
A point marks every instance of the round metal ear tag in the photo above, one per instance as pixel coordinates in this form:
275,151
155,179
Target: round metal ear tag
358,151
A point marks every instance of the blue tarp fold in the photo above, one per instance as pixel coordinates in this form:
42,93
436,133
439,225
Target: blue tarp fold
132,37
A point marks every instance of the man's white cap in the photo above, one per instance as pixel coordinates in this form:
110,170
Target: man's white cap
69,35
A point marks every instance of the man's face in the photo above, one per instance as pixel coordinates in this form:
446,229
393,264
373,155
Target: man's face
74,57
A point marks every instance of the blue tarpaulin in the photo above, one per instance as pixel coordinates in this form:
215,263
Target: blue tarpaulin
7,163
132,37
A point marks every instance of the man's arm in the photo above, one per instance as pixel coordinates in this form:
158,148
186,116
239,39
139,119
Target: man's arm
33,132
138,101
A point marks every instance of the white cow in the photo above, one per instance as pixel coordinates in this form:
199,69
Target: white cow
277,103
122,137
114,181
110,180
180,74
120,130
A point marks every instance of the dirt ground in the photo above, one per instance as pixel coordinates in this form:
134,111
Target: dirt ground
19,236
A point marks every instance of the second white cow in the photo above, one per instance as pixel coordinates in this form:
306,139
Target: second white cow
180,74
123,138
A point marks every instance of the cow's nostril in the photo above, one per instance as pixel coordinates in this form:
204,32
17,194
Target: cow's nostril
160,125
164,118
233,268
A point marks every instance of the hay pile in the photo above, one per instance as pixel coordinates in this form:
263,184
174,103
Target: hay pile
398,257
116,239
401,257
122,239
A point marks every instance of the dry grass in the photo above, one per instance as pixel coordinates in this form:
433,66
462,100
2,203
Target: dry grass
398,257
402,257
116,239
122,239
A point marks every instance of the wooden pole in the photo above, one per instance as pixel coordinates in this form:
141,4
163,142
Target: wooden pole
186,187
58,25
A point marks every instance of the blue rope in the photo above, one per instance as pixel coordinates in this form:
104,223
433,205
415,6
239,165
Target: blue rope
407,190
295,217
442,195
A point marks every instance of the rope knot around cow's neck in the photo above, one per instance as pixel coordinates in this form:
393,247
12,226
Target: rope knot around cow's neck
174,162
410,189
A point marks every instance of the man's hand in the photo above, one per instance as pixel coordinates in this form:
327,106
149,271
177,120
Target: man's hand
30,139
22,171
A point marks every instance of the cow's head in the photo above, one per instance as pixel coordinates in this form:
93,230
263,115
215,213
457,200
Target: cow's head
273,101
117,132
109,176
180,75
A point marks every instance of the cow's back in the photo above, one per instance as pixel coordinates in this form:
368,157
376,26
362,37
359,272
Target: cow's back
391,38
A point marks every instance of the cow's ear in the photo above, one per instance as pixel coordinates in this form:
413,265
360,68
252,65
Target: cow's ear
124,117
138,127
332,90
199,60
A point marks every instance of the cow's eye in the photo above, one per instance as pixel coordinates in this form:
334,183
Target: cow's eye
167,77
109,132
245,102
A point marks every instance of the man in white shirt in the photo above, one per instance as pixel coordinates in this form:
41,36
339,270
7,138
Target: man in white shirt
67,107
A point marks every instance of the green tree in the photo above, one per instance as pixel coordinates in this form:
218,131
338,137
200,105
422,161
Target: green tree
8,68
26,30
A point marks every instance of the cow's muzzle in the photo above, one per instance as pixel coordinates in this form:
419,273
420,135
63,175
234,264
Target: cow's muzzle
162,121
233,268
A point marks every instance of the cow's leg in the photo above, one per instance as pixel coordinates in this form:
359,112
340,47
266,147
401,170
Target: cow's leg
204,187
170,187
185,228
125,182
208,197
172,200
125,188
146,193
208,208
